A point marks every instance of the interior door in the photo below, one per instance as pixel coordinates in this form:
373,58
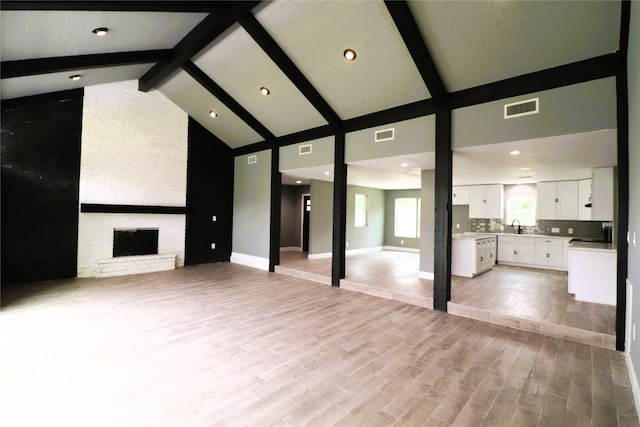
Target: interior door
306,211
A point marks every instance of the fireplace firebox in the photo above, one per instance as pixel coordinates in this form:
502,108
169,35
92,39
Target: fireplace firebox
128,242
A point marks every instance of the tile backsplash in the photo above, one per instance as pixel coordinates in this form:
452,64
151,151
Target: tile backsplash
585,229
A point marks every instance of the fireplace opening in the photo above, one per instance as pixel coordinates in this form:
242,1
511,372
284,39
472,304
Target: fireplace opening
128,242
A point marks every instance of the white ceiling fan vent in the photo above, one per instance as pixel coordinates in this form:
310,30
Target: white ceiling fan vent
385,135
304,149
252,159
522,108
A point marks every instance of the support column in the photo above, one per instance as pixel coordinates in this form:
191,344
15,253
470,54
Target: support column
623,203
276,196
338,263
442,241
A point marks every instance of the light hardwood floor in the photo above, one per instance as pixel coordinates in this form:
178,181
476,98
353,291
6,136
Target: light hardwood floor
530,299
228,345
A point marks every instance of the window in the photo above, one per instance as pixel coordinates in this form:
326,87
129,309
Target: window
361,211
407,217
522,208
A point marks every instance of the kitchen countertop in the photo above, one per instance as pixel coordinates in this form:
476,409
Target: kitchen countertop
522,235
593,246
472,236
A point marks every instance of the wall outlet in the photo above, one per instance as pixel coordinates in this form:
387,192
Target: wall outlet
213,246
402,242
502,228
570,231
555,230
347,244
214,218
457,225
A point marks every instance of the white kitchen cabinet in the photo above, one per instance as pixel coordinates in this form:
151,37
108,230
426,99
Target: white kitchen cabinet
516,249
460,195
592,274
486,201
549,252
602,205
584,197
472,254
557,200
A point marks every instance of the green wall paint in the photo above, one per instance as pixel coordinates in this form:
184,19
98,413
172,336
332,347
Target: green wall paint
252,205
373,234
321,217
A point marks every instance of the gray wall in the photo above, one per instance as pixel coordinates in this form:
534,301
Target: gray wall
563,111
428,220
252,205
389,219
291,215
634,171
460,217
322,153
373,234
411,136
321,217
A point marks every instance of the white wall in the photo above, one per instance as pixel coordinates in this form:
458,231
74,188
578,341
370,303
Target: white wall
134,152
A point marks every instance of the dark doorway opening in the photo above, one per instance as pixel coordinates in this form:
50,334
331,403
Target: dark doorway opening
306,210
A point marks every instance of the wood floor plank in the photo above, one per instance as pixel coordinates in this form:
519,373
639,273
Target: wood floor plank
227,345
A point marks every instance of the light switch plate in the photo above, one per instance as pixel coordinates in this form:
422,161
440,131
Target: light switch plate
570,231
213,246
214,218
555,230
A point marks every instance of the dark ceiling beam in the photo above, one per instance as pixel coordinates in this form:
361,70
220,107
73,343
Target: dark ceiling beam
625,18
30,67
203,34
123,6
280,58
206,82
408,29
564,75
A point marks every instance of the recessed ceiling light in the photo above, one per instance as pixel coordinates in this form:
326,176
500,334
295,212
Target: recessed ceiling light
327,173
75,77
264,90
515,153
102,31
298,182
525,169
349,54
213,114
404,165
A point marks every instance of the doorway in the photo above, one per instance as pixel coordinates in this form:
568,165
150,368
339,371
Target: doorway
306,213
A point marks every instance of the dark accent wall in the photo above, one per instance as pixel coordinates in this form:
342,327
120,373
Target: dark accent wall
209,193
290,215
41,139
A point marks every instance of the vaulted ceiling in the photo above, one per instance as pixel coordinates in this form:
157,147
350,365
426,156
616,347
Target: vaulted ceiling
215,56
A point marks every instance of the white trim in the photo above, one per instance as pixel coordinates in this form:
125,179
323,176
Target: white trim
536,111
425,275
290,249
320,255
635,387
363,250
401,249
250,261
628,318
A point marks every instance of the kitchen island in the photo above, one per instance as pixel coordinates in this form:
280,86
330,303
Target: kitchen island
472,254
592,272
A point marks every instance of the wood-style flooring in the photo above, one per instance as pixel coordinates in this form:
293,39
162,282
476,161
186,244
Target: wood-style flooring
530,299
227,345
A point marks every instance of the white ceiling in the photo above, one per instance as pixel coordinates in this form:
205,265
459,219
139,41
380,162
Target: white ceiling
471,42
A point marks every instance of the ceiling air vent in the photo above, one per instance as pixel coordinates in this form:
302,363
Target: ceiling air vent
521,108
304,149
384,135
252,159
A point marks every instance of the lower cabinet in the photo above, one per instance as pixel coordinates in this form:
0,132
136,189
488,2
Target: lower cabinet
533,251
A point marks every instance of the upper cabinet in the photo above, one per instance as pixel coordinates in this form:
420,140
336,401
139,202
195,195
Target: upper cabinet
558,200
486,201
602,193
460,195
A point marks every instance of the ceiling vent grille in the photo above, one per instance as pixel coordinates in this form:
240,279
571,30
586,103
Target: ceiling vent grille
521,108
385,135
252,159
304,149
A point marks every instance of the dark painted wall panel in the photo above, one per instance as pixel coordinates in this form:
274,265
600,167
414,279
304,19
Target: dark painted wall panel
40,184
209,193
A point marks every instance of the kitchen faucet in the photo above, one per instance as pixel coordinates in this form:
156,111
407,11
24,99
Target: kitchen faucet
519,228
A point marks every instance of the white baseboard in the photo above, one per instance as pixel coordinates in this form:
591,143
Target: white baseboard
364,250
291,249
401,249
250,261
320,255
425,275
635,387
